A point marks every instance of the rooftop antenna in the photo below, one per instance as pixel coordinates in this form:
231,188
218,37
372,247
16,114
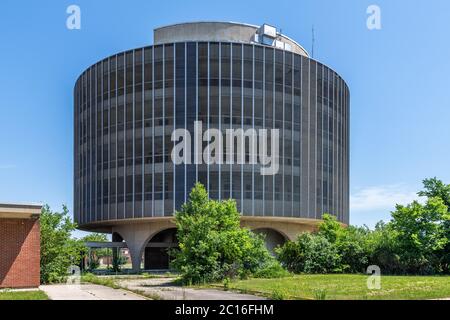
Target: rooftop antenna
313,41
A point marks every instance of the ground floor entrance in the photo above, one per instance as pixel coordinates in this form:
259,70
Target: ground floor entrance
157,254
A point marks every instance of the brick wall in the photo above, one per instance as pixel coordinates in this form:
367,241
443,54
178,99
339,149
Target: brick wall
19,253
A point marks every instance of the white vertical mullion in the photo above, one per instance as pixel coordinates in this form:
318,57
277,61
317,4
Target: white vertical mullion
102,140
83,196
332,145
174,108
90,142
292,133
329,114
301,138
274,124
264,126
242,127
124,135
231,116
109,138
134,135
283,157
153,132
315,147
322,137
96,138
163,131
309,138
185,119
220,120
143,132
338,152
208,113
196,99
253,127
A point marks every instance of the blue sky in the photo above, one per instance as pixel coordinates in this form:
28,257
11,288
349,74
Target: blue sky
398,77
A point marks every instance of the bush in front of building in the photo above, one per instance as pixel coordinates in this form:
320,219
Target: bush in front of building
415,242
311,253
212,244
272,270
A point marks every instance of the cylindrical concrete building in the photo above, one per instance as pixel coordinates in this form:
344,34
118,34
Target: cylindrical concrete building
226,76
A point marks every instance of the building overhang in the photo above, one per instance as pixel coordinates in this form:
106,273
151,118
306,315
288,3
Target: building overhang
108,225
19,211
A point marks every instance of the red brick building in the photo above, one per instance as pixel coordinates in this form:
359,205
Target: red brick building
19,246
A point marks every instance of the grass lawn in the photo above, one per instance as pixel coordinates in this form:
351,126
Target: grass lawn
23,295
346,287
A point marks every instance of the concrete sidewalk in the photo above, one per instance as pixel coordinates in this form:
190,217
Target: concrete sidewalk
87,292
163,288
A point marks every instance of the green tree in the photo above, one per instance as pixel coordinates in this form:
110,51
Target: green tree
58,249
311,253
330,228
212,245
383,250
95,237
352,248
435,188
421,234
349,242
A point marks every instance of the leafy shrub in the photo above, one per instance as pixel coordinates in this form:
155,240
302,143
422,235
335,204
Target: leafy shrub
290,256
271,270
212,245
311,253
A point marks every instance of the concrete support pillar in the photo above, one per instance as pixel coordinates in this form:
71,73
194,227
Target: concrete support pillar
137,235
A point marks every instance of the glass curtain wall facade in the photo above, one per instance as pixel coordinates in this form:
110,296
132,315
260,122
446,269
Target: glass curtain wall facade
128,105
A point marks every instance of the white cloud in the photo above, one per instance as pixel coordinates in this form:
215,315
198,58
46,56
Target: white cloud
381,198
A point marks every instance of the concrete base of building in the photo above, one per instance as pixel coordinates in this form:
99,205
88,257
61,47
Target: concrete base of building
141,234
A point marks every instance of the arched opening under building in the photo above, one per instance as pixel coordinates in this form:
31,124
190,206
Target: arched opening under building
272,238
157,252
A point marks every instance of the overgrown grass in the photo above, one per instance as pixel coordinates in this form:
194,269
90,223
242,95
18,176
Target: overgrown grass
23,295
103,281
345,287
109,281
